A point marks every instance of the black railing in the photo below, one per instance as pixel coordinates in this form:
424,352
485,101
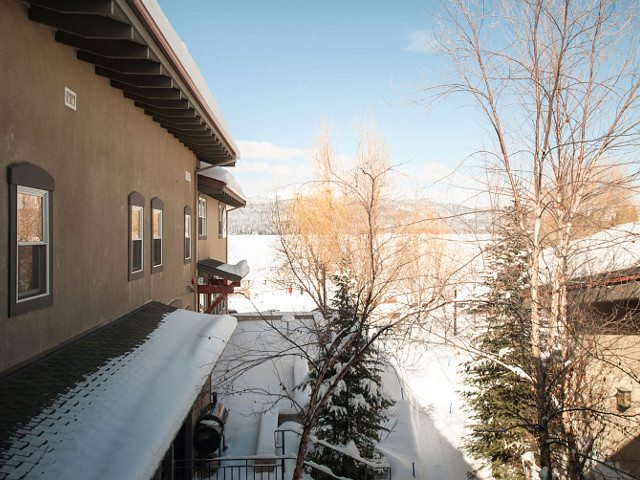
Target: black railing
232,468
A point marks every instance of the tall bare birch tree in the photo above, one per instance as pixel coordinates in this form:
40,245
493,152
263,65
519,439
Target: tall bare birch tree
557,83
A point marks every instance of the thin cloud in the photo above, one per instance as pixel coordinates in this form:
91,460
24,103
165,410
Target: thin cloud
421,41
267,151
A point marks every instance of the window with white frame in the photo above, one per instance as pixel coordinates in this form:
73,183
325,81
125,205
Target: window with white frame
31,238
136,235
202,218
157,209
33,242
187,235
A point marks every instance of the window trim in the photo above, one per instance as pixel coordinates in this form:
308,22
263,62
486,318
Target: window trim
202,219
188,234
222,214
31,177
135,200
157,205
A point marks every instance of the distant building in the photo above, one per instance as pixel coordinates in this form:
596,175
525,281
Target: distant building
107,130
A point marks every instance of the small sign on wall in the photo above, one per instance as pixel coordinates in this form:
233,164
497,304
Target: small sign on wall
70,99
187,176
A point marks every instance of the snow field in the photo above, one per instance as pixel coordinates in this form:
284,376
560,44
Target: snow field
428,421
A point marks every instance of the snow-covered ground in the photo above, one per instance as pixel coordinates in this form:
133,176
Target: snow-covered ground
428,421
259,251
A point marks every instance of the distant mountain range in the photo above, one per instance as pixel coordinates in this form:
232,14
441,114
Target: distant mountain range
255,218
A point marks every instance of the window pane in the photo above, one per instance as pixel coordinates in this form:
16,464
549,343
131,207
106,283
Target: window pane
157,252
30,218
32,268
157,224
136,223
136,260
187,236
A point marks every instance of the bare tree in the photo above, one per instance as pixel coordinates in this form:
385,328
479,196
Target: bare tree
557,82
346,217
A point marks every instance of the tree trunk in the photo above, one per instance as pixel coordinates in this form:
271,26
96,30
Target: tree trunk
544,444
302,453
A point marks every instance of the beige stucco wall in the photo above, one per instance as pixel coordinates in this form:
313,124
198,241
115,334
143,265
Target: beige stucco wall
214,246
617,365
97,155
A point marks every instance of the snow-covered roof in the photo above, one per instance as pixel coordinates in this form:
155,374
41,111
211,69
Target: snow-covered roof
610,250
235,273
182,53
223,175
240,269
223,187
607,252
109,405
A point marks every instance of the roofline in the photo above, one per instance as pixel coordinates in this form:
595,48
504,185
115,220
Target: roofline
140,10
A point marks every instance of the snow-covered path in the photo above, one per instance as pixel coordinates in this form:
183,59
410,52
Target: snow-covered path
430,422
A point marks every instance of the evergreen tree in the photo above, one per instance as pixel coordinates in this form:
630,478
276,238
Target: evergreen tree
357,411
502,402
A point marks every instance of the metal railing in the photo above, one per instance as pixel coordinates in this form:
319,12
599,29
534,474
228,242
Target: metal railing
232,468
270,467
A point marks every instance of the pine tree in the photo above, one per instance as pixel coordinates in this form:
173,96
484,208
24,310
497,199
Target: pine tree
357,412
503,404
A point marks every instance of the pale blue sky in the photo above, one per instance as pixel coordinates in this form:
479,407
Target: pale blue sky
276,68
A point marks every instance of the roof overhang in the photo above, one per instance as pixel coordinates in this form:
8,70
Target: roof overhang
137,50
220,191
218,269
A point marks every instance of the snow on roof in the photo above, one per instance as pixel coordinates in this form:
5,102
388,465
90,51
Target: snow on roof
222,175
613,249
118,420
181,51
240,269
609,250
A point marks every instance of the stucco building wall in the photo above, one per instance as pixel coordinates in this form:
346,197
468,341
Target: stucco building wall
97,154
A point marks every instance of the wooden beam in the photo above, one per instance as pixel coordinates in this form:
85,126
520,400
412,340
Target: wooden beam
180,104
159,93
123,65
208,144
101,7
203,149
91,26
185,129
107,47
176,120
151,81
167,112
194,134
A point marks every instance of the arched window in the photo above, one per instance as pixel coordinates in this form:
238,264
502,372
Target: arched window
31,238
136,235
